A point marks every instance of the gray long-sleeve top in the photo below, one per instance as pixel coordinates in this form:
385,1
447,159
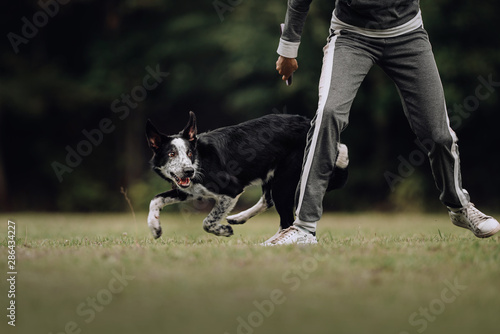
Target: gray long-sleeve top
364,14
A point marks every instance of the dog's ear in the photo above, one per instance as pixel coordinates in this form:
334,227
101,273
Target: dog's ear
153,136
190,130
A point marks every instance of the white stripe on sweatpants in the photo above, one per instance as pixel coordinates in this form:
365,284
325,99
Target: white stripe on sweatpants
456,167
324,89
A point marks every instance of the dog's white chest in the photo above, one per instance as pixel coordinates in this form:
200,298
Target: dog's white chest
199,191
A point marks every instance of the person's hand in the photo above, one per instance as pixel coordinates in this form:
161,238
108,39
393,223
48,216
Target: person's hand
286,66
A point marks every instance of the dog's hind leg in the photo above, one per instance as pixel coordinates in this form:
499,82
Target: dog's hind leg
157,203
211,224
286,178
265,202
283,197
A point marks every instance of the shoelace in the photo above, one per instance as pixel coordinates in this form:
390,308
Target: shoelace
286,234
475,216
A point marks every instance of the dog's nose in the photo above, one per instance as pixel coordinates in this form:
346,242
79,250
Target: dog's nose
189,172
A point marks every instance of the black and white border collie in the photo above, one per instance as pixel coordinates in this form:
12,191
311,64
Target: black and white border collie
220,164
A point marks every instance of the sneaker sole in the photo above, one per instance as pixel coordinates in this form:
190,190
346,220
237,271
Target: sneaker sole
315,242
482,236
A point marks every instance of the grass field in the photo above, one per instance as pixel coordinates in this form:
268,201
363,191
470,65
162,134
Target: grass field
370,273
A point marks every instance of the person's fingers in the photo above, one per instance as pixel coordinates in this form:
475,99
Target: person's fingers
285,67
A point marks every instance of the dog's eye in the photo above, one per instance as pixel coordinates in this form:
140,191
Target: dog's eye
190,154
171,154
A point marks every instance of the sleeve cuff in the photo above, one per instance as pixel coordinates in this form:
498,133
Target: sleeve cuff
288,49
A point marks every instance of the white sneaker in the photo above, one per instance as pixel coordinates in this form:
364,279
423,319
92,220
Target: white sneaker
291,235
469,217
268,241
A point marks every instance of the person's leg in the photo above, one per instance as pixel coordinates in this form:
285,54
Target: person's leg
409,61
347,60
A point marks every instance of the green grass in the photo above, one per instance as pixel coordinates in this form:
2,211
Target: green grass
370,273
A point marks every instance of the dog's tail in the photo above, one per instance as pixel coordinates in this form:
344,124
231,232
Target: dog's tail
338,179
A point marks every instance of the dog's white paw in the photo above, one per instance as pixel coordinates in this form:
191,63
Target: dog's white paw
218,229
237,219
225,231
154,225
157,232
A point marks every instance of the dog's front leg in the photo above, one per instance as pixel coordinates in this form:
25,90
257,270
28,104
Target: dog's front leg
157,203
223,206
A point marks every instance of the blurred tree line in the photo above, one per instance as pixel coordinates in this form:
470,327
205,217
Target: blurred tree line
79,78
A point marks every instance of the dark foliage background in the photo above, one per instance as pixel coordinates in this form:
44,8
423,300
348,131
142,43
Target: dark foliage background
65,78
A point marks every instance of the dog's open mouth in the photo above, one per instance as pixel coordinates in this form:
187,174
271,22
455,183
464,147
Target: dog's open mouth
181,182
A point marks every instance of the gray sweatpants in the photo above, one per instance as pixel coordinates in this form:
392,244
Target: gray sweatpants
409,62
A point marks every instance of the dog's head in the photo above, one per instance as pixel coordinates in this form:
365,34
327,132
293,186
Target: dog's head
174,156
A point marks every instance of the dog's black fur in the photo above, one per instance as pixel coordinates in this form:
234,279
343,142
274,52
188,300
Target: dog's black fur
221,163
